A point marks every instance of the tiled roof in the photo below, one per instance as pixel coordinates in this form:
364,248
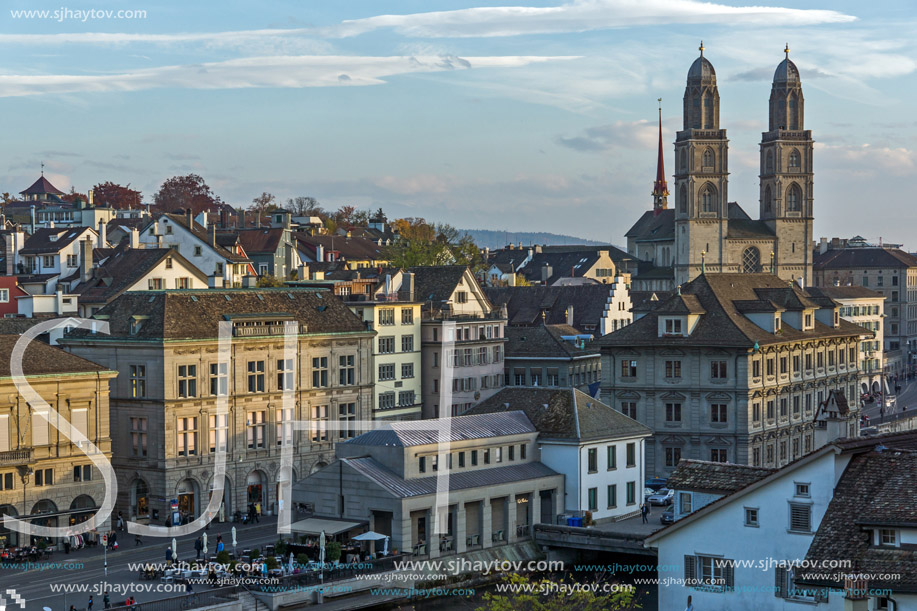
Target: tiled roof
350,249
724,324
201,233
524,304
565,261
563,413
651,227
42,186
747,228
643,301
458,480
125,267
714,477
863,257
407,434
42,359
544,341
49,240
196,314
846,292
260,241
436,284
876,490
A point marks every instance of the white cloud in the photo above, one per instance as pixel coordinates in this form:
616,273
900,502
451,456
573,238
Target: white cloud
253,72
620,135
869,161
580,16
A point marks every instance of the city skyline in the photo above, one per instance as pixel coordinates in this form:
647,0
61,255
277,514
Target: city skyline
481,116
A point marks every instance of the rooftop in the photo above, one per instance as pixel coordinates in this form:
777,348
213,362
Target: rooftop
714,477
460,428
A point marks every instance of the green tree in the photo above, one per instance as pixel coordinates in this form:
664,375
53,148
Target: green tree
546,595
421,243
267,281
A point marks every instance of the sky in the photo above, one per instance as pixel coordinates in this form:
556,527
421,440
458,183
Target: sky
528,115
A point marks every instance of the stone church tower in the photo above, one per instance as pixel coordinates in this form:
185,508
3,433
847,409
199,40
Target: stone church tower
786,175
701,178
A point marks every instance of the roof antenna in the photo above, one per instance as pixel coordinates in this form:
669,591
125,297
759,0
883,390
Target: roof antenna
42,168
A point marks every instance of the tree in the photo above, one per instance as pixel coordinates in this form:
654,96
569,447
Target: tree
551,595
186,192
269,282
72,196
304,206
421,243
263,203
344,215
7,198
113,195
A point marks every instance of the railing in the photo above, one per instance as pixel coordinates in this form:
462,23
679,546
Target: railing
259,330
192,600
16,457
331,573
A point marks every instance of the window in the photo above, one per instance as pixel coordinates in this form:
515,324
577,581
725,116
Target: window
685,502
138,436
407,370
756,412
320,372
219,432
593,460
612,457
386,400
718,455
769,367
407,316
6,482
522,450
461,459
708,199
320,423
386,372
422,464
44,477
751,257
47,261
285,374
631,493
708,158
751,516
593,499
888,537
718,370
407,343
386,345
783,407
673,412
785,587
673,326
612,496
711,572
770,410
387,316
673,369
553,376
197,249
155,284
256,376
474,458
73,261
800,518
347,369
187,436
796,406
718,413
187,380
138,381
498,455
629,409
487,457
802,490
793,199
347,414
672,456
40,435
82,473
4,295
794,159
756,369
461,297
628,369
632,454
511,453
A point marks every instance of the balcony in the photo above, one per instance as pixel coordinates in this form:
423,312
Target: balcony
16,457
258,330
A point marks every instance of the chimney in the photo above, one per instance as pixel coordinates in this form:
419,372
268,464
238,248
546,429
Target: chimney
86,259
189,217
135,238
32,219
546,272
257,220
59,305
318,275
319,253
570,315
215,281
287,220
50,224
103,233
249,282
822,246
213,235
90,198
537,249
223,218
407,285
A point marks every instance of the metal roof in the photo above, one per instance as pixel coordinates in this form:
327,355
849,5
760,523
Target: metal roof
479,426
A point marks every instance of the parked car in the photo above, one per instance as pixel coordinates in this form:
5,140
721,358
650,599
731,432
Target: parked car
663,496
668,516
648,492
655,483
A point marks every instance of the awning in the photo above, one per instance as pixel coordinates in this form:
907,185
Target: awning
369,536
315,526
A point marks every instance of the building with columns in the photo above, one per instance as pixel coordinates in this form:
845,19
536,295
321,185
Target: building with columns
707,232
387,478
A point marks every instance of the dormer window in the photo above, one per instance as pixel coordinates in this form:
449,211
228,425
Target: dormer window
887,537
776,323
673,326
808,321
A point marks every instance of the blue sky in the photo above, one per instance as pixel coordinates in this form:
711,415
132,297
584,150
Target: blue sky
524,115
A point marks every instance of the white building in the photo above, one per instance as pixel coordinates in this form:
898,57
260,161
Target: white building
598,449
54,253
846,508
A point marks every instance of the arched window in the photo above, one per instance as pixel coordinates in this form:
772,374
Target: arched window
793,199
708,111
768,200
708,158
708,199
683,200
684,160
751,260
794,159
793,113
769,163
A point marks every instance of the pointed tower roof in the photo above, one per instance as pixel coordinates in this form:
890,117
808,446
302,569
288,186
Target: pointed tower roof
660,187
701,70
42,187
787,72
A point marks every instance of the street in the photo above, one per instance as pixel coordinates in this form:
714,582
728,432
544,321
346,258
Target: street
35,585
906,398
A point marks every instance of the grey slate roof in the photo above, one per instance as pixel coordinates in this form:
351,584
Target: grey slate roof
543,341
846,292
652,227
201,233
435,284
458,480
863,257
41,359
714,477
408,434
49,240
524,304
123,268
563,413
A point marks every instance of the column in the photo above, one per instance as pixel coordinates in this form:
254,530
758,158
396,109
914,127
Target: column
460,530
535,511
406,544
486,524
432,534
510,518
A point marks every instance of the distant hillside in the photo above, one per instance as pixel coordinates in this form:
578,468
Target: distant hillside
486,238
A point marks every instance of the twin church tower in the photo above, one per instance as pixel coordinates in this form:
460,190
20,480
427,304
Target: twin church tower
703,231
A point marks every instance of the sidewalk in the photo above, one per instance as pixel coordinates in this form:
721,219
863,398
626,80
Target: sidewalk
635,525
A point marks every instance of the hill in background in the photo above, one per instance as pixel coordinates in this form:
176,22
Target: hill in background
488,238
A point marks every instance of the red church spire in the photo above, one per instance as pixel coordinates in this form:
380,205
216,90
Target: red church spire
660,187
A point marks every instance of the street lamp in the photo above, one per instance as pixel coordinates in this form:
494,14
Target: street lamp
24,472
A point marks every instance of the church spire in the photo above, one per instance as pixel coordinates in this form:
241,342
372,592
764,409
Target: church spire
660,187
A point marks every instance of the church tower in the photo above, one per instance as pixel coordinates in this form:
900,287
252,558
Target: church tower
786,178
660,186
701,178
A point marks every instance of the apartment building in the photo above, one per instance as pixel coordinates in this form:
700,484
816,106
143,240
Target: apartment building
165,405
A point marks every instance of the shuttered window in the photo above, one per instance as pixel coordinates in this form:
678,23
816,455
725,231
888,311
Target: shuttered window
4,433
800,517
40,428
690,570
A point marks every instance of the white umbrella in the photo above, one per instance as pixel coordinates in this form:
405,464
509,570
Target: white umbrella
291,562
321,549
385,547
233,536
205,543
174,549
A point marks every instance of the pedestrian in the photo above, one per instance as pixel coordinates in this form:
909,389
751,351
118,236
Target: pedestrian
89,606
644,511
137,540
220,546
169,555
198,546
106,600
188,588
690,606
120,522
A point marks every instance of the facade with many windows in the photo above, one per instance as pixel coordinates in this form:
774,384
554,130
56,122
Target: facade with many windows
166,416
732,369
551,355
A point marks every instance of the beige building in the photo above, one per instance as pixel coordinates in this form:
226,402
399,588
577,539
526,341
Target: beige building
732,369
45,478
164,401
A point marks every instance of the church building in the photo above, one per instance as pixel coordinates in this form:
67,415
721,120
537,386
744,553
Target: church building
704,231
